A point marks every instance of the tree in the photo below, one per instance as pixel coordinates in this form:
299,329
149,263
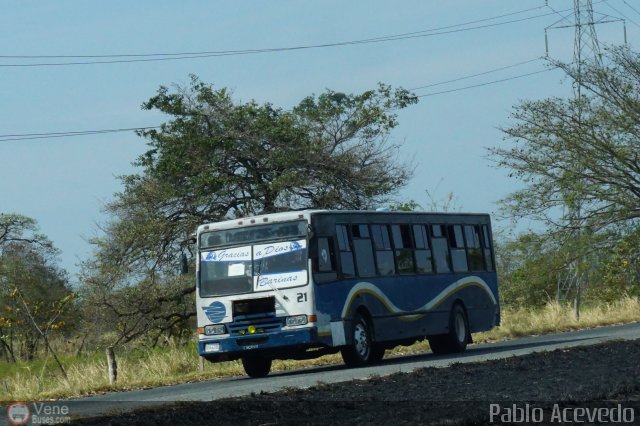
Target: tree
532,268
218,159
622,268
579,162
16,228
34,293
580,154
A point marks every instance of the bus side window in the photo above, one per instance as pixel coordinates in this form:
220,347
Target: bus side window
403,243
346,255
486,245
423,250
325,255
384,252
474,253
440,249
363,251
456,244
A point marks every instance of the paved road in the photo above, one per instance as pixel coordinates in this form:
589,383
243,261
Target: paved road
238,386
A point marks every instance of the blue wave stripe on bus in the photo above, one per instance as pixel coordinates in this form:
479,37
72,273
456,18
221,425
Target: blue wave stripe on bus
373,290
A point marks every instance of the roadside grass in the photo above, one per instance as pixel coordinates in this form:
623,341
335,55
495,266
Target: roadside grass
40,379
554,317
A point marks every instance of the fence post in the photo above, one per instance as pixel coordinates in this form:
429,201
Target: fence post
112,364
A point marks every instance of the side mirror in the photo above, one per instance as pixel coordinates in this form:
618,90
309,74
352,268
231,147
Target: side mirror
184,264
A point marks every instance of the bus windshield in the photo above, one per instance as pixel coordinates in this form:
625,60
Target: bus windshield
253,267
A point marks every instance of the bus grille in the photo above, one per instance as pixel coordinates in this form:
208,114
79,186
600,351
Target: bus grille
263,323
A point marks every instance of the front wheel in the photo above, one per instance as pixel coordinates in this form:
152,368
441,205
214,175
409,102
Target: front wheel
377,353
256,366
361,351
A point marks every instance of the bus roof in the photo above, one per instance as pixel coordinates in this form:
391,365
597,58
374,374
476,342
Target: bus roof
306,214
259,220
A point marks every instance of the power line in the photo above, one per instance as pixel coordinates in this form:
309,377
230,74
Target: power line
622,14
476,75
562,17
633,8
152,57
485,84
380,38
50,135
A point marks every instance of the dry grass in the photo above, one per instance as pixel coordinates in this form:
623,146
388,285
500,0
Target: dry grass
554,317
170,365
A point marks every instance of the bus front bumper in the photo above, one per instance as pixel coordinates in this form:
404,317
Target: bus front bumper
274,344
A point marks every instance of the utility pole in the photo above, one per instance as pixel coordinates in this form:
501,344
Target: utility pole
586,48
586,45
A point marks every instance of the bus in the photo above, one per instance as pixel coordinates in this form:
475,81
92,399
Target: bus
302,284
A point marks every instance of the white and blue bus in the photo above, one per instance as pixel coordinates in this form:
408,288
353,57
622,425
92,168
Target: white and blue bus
301,284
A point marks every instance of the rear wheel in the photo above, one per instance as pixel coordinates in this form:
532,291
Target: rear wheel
438,344
361,351
256,366
457,338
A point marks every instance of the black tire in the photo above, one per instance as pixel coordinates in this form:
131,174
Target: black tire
458,337
438,344
256,366
377,353
361,351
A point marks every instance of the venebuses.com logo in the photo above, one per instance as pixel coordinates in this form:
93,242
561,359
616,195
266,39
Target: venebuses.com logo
18,413
40,413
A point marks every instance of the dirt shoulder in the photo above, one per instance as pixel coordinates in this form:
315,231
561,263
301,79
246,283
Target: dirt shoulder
605,375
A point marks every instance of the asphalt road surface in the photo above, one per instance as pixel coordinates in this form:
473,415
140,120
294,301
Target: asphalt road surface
119,402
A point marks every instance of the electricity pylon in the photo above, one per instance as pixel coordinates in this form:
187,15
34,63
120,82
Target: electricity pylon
586,48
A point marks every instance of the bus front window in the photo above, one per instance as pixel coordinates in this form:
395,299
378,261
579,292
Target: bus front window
276,258
224,272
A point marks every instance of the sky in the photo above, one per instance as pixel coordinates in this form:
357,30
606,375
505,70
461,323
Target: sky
64,182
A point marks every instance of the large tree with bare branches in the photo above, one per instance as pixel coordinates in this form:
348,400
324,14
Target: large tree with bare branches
217,158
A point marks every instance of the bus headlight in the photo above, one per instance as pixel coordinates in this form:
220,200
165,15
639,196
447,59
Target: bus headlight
296,320
214,329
